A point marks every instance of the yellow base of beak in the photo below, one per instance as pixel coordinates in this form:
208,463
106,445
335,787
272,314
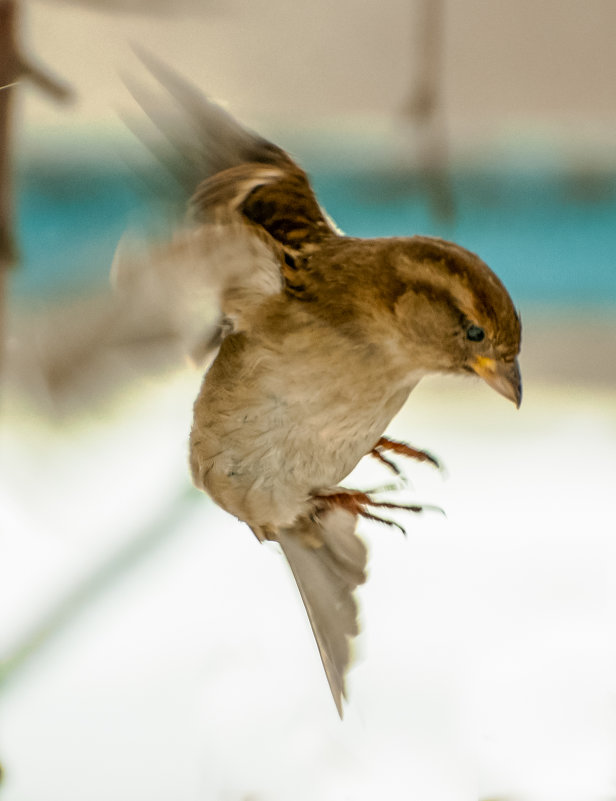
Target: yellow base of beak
502,376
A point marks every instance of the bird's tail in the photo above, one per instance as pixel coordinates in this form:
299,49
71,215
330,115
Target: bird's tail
328,561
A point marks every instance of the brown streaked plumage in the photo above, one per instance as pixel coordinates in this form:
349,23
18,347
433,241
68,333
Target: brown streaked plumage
322,339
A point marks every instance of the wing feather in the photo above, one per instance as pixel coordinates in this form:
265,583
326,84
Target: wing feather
203,278
228,167
253,217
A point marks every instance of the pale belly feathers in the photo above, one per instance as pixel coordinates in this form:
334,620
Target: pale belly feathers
270,430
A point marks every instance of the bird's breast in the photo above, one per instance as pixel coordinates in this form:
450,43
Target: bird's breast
277,427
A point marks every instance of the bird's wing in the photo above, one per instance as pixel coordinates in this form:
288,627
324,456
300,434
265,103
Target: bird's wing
326,576
196,284
253,216
229,169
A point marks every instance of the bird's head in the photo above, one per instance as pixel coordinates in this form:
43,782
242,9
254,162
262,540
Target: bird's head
457,313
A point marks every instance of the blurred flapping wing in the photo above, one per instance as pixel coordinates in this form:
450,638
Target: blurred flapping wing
252,220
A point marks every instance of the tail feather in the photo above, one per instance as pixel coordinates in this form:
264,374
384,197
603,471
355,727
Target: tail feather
326,576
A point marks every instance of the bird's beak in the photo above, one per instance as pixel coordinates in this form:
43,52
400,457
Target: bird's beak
502,376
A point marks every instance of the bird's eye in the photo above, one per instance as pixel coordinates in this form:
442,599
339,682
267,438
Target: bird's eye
475,334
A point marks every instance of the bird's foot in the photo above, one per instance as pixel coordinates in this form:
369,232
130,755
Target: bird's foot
402,449
361,503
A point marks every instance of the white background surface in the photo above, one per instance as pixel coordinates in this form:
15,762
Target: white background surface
487,663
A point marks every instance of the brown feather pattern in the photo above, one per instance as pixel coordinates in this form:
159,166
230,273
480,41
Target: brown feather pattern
327,337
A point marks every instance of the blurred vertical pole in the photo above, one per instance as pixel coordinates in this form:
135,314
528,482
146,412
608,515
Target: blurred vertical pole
424,98
13,66
424,107
9,73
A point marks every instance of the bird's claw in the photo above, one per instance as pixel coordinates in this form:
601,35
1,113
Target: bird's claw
359,503
401,448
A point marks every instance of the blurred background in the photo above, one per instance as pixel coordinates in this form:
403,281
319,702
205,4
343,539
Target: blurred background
150,648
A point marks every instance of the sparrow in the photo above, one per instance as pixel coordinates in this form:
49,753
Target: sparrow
318,341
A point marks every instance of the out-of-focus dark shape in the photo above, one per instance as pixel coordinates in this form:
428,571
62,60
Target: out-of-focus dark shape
42,79
423,103
423,109
13,67
9,74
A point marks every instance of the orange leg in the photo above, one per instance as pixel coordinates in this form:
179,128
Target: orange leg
387,462
358,503
401,448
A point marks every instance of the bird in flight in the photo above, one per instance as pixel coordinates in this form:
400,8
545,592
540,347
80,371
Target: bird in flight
318,342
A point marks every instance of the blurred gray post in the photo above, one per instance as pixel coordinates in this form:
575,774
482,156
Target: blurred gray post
424,106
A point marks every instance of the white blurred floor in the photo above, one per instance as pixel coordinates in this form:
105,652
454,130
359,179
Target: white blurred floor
487,663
